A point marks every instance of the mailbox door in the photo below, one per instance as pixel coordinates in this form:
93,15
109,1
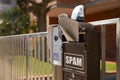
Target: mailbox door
89,58
74,61
74,56
73,75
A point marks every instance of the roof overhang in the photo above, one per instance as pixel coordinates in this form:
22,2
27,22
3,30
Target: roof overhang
101,5
59,8
90,8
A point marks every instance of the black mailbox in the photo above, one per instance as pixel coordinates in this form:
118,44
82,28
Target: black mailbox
81,60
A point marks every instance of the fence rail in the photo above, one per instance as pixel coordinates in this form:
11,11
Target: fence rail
104,24
27,55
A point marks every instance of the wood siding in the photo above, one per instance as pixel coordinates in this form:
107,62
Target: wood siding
74,1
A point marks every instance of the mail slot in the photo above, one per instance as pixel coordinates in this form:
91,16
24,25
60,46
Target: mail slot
70,75
81,60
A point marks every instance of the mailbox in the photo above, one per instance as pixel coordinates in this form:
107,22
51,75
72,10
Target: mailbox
81,60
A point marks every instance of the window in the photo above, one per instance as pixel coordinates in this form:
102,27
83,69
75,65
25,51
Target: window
6,1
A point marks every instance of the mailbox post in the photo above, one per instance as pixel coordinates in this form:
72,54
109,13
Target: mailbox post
81,59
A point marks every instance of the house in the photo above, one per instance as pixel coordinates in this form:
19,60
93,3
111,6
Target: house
94,10
6,4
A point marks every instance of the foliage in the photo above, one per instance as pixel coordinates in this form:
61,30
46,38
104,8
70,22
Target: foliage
39,9
15,21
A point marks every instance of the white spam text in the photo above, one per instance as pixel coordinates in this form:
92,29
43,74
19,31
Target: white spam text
75,61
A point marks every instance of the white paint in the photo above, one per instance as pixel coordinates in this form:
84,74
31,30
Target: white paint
75,61
77,11
57,44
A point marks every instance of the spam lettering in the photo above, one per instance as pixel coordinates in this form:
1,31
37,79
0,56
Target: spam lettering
76,61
